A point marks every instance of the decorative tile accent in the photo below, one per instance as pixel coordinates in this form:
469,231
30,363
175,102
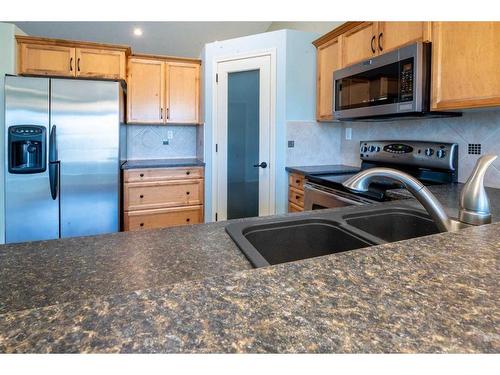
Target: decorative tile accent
146,141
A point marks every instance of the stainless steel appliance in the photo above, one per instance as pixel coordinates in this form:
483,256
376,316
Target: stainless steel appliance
62,158
393,85
429,162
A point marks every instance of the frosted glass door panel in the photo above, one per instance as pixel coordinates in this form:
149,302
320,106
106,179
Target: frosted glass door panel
243,144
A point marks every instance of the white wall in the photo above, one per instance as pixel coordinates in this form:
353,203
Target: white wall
314,27
7,66
295,94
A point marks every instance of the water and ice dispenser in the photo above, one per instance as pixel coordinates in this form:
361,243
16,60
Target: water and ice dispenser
27,149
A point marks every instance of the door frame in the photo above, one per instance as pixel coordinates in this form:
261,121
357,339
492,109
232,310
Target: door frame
271,52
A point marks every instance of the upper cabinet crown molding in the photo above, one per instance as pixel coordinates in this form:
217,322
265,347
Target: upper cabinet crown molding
57,57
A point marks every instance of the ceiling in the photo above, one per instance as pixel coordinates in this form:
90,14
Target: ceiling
165,38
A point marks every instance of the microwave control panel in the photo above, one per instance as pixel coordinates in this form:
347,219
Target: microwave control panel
406,81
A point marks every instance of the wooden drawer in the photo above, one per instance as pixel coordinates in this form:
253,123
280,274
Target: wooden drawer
296,181
149,195
161,174
296,197
165,217
292,207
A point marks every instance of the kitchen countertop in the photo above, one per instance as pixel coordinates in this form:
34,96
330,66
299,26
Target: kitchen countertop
162,163
322,169
430,294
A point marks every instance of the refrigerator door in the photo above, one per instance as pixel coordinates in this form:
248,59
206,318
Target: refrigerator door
30,212
86,115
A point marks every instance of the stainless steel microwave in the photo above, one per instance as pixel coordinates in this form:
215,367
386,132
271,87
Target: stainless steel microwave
393,85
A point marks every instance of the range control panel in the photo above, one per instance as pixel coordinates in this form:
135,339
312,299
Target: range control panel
412,153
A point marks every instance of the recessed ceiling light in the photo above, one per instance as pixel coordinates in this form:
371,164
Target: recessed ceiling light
137,31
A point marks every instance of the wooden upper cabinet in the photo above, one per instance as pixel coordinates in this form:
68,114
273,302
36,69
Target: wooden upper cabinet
145,91
65,58
359,43
52,60
101,63
183,92
465,64
329,59
392,35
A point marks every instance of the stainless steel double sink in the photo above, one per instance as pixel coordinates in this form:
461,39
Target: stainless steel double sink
274,241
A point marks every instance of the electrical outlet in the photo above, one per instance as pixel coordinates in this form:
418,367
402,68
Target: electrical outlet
170,134
348,134
165,142
291,144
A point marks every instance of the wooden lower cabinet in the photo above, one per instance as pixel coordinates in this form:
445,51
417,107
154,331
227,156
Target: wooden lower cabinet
164,217
295,192
162,197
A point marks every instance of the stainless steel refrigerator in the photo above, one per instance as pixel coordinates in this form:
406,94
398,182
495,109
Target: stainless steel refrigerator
62,173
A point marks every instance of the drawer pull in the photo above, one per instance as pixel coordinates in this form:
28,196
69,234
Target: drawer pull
188,172
297,197
297,181
141,175
141,224
141,196
187,192
188,220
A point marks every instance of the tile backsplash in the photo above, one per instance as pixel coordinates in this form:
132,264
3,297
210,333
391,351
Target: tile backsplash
314,143
146,141
477,127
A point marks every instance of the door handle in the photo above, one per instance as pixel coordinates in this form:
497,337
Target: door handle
261,165
371,44
54,164
380,42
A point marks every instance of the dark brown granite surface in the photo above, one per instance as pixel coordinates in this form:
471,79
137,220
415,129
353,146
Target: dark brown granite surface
432,294
189,289
162,163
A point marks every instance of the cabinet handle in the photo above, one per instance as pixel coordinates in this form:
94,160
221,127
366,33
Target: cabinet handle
187,192
168,113
371,44
141,175
141,196
78,64
188,173
297,197
297,181
188,220
141,224
71,64
380,42
161,113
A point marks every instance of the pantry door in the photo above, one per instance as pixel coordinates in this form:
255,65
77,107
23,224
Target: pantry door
245,171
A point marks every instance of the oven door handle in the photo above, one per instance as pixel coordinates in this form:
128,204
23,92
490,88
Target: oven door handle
326,195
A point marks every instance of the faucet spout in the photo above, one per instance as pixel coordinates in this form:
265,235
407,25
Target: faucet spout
474,203
361,181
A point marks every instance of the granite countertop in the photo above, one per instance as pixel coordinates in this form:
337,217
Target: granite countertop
430,294
322,169
162,163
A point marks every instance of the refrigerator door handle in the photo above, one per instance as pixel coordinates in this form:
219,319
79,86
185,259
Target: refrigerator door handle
53,164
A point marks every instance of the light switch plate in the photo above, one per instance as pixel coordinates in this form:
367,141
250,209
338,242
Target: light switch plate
348,134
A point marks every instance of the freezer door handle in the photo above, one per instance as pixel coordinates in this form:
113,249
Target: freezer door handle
53,164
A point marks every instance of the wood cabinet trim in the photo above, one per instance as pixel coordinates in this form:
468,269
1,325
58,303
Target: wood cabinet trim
71,43
166,58
336,32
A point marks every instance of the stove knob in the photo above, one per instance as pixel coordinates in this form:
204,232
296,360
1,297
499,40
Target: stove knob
441,154
429,152
377,149
364,148
372,148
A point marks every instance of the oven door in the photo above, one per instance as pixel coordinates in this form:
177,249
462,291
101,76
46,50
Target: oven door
317,197
386,85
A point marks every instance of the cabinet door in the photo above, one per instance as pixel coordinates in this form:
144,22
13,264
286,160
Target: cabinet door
146,91
183,93
100,63
465,64
47,60
359,43
392,35
328,60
